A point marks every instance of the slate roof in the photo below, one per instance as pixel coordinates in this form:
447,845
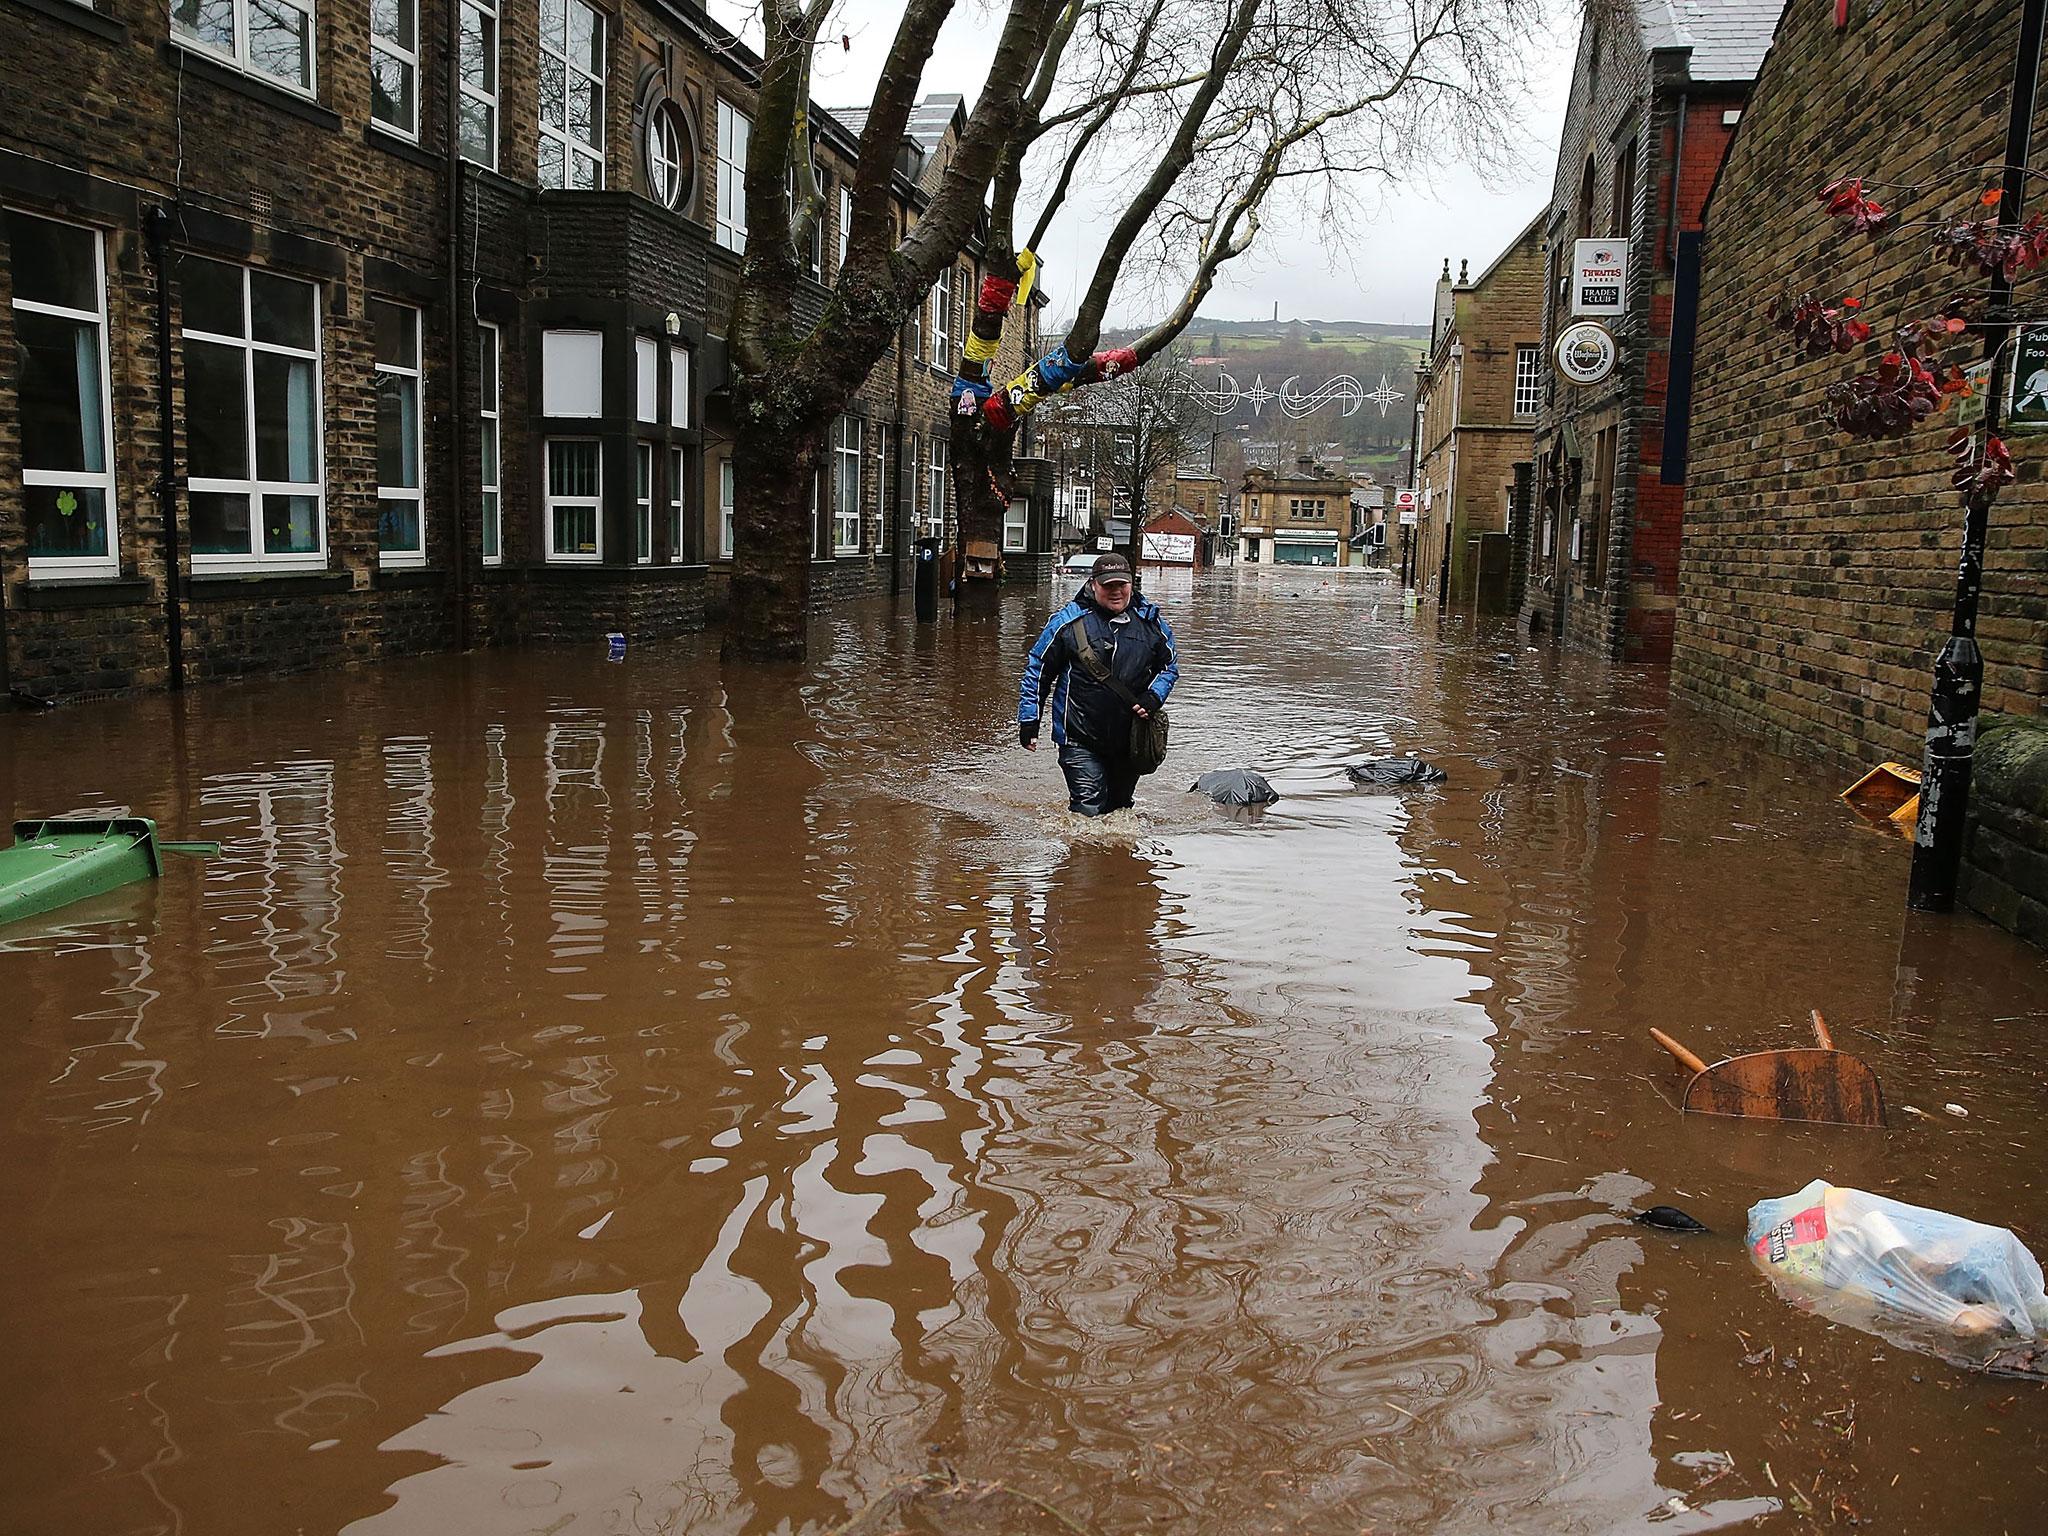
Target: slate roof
1728,38
852,119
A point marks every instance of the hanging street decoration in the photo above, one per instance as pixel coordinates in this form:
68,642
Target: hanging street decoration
1342,390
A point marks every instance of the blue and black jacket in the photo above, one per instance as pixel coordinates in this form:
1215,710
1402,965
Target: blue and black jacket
1139,652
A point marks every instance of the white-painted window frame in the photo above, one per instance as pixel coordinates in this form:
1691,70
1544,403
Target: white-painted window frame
728,500
593,500
416,494
1016,525
935,504
239,56
491,441
408,59
486,12
643,503
677,461
729,216
573,148
257,559
109,563
847,446
1528,399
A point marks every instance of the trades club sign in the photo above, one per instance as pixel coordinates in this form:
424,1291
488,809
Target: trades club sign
1599,276
1586,352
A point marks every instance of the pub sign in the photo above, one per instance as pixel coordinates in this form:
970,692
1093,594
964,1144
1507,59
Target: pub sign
1599,277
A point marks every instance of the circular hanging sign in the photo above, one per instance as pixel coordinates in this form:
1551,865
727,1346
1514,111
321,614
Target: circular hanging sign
1586,352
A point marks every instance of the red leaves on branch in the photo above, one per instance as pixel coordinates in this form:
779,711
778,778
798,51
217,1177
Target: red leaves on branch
1820,328
1890,400
1844,200
1980,477
1992,248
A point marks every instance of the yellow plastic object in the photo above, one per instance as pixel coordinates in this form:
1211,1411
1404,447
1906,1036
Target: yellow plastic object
1889,792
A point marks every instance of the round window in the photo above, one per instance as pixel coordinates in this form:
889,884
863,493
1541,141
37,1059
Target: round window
671,163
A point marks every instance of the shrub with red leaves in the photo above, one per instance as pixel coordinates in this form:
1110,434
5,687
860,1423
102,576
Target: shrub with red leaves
1889,401
1844,200
1980,477
1993,249
1822,328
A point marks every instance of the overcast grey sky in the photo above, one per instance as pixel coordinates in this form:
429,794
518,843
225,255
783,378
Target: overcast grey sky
1397,247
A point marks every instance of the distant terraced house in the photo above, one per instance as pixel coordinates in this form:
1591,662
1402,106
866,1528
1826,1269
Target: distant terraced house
335,333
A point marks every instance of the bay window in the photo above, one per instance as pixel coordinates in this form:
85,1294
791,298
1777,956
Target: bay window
571,96
252,417
575,500
66,425
270,39
401,531
643,502
1014,523
679,386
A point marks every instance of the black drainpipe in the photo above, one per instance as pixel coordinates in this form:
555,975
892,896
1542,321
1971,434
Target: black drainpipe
457,331
158,229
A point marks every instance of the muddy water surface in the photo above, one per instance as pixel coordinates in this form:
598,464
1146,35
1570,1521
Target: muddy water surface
653,1097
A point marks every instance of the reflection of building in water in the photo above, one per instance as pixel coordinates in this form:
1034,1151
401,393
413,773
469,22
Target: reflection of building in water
409,845
276,891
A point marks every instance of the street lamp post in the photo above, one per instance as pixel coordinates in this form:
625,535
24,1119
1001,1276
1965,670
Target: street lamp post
1950,751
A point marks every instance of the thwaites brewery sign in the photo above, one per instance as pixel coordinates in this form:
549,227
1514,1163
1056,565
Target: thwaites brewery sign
1599,277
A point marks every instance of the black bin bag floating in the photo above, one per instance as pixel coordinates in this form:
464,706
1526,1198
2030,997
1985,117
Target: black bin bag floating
1236,786
1394,772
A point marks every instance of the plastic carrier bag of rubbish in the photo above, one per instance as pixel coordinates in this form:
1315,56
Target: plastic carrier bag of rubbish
1924,1278
1236,786
1392,772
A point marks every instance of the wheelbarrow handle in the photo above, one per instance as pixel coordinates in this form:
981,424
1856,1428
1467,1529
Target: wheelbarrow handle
1686,1058
1820,1032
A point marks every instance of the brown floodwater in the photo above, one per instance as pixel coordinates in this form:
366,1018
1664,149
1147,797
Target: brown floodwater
589,1097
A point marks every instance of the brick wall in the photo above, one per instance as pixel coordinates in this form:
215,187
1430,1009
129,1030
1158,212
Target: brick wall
1818,573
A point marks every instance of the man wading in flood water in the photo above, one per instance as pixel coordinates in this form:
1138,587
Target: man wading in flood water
1105,630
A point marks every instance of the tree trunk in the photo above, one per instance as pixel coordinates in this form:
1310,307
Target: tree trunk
775,465
983,480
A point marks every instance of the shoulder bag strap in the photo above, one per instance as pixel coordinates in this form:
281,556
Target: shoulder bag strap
1090,658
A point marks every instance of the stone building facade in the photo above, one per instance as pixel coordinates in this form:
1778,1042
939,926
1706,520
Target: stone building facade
1656,92
314,349
1819,572
1298,519
1477,395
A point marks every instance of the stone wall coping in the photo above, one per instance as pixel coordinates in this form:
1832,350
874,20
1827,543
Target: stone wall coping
258,585
85,592
72,14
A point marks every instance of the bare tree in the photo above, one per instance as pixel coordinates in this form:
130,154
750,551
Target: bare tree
1211,106
1156,422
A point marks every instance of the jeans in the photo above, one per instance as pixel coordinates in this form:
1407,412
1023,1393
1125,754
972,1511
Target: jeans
1096,784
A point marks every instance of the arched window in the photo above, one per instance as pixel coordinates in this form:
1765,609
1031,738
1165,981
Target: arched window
669,156
1624,191
1586,201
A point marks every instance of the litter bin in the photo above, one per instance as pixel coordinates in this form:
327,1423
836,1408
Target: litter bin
927,581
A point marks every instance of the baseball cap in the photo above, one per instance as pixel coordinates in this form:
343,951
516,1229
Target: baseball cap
1110,567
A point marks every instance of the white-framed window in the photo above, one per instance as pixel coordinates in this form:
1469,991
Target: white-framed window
729,220
1015,518
935,502
401,523
394,65
679,386
666,155
272,39
885,506
1528,380
487,365
726,502
65,418
846,448
572,373
643,503
675,505
1082,501
479,68
845,223
647,379
254,485
942,317
818,545
916,476
575,500
571,95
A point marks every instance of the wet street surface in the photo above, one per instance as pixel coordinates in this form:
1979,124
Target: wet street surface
660,1097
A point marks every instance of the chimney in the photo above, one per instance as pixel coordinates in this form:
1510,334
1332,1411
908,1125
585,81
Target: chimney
1445,307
